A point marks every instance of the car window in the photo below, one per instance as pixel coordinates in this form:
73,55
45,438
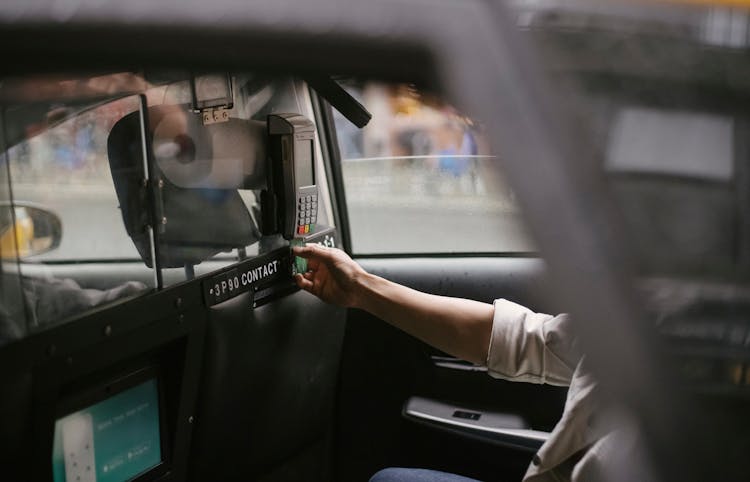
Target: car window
12,309
62,210
418,180
65,168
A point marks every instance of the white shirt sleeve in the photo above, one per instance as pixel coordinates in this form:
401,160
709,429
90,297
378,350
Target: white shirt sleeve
531,347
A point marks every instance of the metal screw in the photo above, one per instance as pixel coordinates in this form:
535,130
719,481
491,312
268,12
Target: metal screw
178,303
190,419
161,183
180,319
107,330
145,182
164,220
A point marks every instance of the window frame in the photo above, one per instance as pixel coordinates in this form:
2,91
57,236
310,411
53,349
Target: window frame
329,145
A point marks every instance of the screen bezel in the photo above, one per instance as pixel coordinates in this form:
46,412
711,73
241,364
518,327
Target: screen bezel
113,386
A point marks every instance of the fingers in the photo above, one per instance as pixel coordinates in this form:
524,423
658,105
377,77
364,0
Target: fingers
306,251
312,251
303,282
313,264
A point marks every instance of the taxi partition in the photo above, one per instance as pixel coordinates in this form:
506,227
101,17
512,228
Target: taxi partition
152,319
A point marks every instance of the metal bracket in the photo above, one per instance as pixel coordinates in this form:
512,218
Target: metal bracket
215,116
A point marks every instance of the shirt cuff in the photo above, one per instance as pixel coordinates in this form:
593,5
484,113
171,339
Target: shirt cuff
516,348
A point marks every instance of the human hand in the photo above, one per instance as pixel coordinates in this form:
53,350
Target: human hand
332,275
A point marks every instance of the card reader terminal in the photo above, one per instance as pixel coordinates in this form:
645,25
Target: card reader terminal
293,187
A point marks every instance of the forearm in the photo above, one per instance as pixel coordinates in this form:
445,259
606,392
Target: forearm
456,326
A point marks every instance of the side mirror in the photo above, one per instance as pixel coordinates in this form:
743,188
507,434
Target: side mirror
27,230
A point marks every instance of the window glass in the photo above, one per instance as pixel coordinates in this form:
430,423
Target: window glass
12,309
417,181
62,208
65,168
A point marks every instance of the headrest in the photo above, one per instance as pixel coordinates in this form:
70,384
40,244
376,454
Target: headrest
200,222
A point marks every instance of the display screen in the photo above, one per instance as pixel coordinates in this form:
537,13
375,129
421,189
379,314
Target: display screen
303,163
110,441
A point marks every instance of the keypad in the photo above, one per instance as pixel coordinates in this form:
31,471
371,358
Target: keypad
307,213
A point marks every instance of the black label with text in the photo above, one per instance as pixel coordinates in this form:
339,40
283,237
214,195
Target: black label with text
247,276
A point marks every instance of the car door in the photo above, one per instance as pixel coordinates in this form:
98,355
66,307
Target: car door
423,212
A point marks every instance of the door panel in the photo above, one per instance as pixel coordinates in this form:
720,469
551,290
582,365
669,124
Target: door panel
267,391
384,369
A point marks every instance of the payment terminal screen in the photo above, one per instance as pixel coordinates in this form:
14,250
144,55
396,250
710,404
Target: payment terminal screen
110,441
303,167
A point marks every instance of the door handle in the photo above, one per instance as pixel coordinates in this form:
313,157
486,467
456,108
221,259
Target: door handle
501,428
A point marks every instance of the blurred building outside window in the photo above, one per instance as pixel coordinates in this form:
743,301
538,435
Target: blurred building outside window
417,179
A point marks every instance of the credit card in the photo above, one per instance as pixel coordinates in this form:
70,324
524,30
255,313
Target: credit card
299,265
